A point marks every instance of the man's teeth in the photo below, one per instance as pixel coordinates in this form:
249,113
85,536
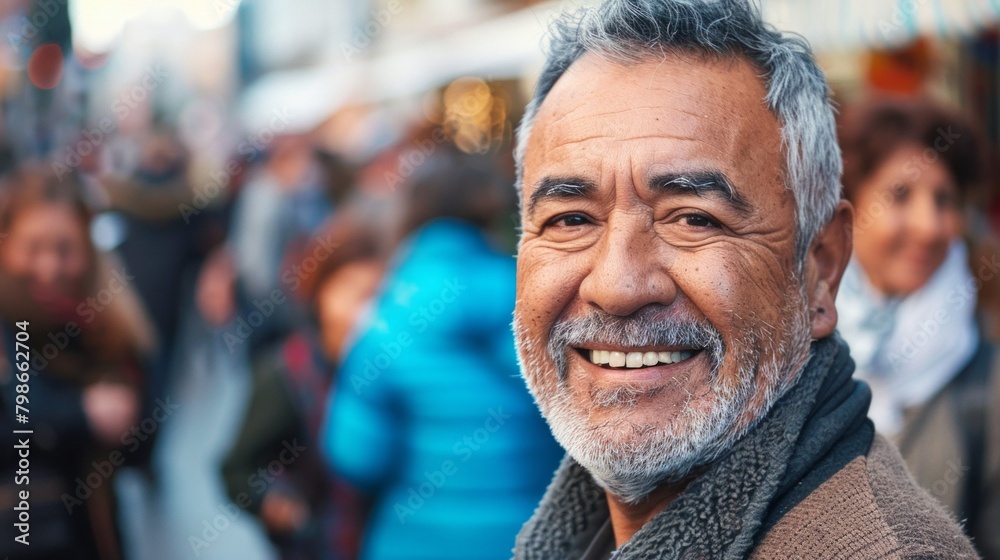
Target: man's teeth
637,359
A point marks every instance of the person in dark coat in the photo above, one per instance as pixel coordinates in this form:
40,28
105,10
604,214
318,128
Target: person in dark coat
88,344
305,509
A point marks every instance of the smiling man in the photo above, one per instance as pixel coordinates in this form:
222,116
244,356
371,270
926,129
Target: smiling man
683,241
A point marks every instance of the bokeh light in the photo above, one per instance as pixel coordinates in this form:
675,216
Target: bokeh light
45,67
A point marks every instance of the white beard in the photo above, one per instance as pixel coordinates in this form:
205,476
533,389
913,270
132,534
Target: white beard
629,459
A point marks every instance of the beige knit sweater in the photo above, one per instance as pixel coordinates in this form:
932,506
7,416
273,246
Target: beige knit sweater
870,509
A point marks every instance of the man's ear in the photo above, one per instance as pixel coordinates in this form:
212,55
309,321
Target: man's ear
825,263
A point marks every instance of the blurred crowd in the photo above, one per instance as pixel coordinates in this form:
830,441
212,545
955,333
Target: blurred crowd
386,409
371,300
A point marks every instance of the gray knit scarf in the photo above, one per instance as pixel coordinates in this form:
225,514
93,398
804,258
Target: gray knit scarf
814,430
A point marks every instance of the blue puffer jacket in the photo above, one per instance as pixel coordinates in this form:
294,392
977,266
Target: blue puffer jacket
430,415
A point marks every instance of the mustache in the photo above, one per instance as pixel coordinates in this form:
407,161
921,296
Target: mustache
647,327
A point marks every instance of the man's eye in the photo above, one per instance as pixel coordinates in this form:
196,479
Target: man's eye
698,221
569,220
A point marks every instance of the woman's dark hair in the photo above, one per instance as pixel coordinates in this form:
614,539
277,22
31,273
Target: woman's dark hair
29,186
870,132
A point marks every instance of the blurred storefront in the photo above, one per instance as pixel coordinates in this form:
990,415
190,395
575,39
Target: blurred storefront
361,70
397,51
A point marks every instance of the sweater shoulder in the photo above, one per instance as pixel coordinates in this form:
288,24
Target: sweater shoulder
922,526
872,508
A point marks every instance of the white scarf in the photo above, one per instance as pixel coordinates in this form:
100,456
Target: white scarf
909,348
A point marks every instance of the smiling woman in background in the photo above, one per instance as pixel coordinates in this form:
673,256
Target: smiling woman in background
89,342
908,299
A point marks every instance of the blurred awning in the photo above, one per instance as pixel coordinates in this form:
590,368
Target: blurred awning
503,47
511,46
839,25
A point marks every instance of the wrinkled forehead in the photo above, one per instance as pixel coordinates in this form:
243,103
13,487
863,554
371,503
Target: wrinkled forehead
678,109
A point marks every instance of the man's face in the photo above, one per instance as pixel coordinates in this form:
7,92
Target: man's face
658,239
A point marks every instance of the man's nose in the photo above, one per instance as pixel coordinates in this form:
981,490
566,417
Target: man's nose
628,272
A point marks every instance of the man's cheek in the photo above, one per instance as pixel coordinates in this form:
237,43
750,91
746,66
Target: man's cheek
543,291
747,282
714,291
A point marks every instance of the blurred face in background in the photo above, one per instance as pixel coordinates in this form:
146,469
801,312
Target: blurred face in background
47,247
907,215
341,299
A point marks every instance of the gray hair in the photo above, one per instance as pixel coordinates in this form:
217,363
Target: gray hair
797,92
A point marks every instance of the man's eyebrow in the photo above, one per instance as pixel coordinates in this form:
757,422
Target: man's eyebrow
559,187
701,183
